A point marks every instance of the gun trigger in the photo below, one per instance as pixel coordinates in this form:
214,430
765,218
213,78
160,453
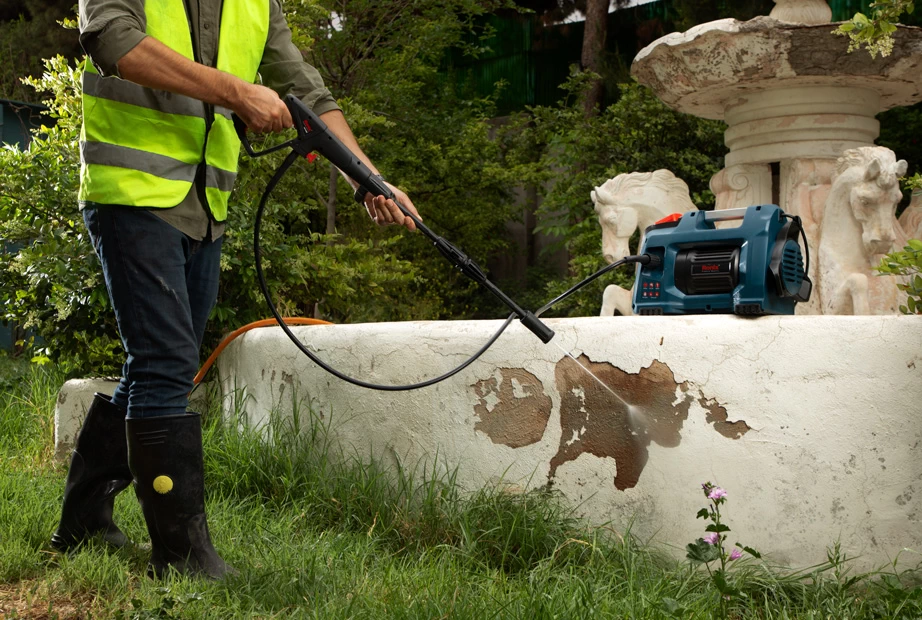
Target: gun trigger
310,157
307,125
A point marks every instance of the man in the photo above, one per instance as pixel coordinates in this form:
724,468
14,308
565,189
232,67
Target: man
158,160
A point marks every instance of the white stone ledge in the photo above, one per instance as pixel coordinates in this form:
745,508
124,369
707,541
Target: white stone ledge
74,399
812,424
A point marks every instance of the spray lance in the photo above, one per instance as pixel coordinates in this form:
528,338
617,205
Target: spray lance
314,136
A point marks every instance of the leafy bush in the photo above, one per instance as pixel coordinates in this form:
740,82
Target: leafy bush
908,263
53,284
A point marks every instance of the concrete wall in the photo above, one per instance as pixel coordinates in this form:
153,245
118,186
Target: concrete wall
74,399
812,424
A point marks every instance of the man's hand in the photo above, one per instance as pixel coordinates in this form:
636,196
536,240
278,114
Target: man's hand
261,108
382,211
385,212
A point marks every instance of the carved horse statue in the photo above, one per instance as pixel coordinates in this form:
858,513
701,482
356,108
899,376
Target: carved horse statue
859,226
626,203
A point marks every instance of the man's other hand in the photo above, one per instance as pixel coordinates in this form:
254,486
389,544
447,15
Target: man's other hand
385,212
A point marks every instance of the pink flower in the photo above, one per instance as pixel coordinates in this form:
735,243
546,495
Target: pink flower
736,554
712,538
717,493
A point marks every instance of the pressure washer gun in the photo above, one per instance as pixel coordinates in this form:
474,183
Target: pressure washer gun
313,136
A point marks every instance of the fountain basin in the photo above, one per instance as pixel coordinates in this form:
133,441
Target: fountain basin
786,90
813,423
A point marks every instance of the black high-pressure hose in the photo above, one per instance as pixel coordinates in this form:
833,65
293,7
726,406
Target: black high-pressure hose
314,136
643,259
257,251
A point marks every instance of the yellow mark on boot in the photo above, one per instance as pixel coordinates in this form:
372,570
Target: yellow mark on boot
163,484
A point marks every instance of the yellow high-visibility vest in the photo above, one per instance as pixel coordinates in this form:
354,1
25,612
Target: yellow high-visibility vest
143,147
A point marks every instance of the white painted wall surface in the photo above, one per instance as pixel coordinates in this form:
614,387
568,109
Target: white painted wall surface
833,405
74,399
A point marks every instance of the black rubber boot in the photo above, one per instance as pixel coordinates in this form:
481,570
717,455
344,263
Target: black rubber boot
165,455
98,472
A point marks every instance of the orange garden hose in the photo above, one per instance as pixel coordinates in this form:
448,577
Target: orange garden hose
239,332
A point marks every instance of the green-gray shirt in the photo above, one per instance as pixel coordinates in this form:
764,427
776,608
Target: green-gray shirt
109,29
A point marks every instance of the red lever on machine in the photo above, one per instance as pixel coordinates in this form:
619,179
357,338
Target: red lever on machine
675,217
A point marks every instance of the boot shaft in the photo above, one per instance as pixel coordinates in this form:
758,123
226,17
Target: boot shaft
98,471
165,455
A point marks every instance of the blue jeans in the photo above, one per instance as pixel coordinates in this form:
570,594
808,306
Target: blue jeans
162,285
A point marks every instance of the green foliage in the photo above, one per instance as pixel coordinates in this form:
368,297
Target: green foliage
384,65
914,182
29,32
169,607
52,284
576,153
410,508
875,33
908,264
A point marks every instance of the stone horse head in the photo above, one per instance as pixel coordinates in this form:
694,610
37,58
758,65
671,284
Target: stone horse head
859,225
868,184
636,200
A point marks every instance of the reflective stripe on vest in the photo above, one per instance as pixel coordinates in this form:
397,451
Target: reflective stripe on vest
142,147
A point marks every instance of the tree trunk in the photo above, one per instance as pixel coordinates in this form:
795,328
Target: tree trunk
594,49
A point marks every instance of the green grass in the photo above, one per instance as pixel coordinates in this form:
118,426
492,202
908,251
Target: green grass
319,533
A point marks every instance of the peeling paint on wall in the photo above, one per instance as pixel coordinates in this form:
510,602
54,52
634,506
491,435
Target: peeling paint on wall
717,415
513,408
595,421
649,406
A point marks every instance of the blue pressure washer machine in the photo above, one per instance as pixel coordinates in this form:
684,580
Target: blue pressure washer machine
753,268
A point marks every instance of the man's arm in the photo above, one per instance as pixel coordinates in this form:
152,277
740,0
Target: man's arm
154,65
380,210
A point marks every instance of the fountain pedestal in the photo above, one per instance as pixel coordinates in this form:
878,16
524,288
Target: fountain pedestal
792,96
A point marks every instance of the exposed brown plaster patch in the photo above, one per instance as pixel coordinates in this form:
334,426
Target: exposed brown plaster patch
717,415
519,414
595,421
513,410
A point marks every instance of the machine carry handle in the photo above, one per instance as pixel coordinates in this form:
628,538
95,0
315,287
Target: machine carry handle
725,215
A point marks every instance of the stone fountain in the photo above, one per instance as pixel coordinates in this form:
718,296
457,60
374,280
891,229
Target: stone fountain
795,101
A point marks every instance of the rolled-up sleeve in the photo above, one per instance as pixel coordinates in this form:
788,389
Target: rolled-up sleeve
109,29
284,70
